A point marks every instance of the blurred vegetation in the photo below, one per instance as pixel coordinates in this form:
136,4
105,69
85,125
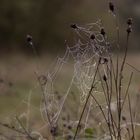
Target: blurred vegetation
48,21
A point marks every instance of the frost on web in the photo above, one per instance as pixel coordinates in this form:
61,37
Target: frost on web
85,54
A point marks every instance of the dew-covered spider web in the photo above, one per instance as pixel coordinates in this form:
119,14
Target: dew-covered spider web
85,54
90,46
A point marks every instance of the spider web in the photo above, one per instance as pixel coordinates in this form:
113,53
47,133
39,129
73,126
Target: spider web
84,54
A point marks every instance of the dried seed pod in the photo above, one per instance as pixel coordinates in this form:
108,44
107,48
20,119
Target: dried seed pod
123,118
29,38
105,60
92,37
74,26
129,21
104,78
103,31
54,130
69,127
111,7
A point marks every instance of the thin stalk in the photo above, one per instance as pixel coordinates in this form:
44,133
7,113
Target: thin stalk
106,97
126,94
132,125
133,67
109,89
120,87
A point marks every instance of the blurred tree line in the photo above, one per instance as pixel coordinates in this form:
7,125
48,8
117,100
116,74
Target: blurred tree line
48,20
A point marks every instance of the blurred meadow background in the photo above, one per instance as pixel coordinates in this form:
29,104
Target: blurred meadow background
48,22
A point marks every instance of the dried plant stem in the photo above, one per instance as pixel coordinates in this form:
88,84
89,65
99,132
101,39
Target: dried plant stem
115,79
120,87
126,94
133,67
103,87
108,94
113,123
132,125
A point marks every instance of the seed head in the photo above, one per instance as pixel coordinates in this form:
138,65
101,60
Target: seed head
129,21
54,131
104,78
92,37
103,31
29,38
105,60
111,6
123,118
69,127
74,26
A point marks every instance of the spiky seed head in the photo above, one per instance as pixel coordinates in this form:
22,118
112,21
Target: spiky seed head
69,127
103,31
111,7
74,26
104,78
92,37
105,60
129,21
54,131
29,38
123,118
